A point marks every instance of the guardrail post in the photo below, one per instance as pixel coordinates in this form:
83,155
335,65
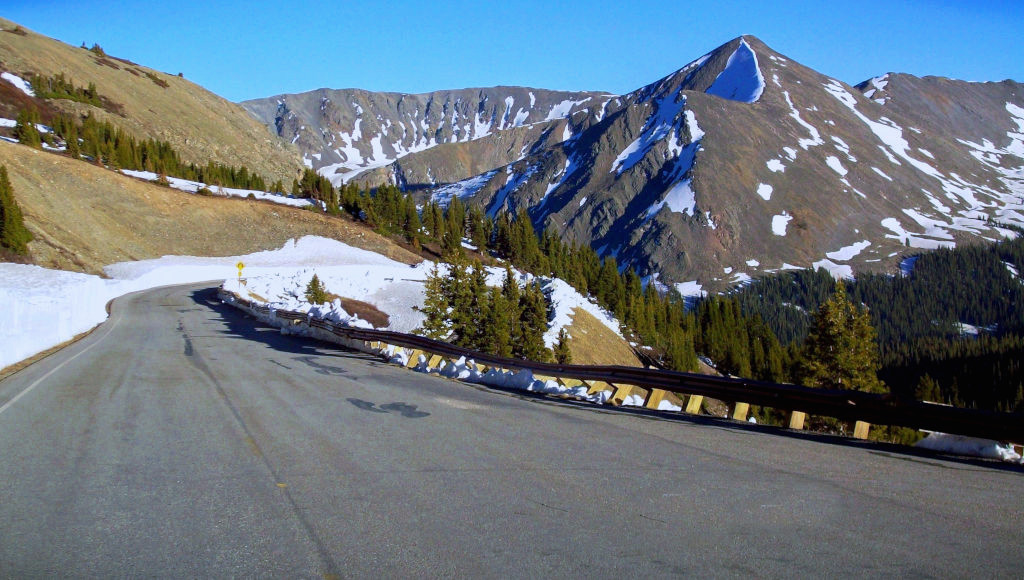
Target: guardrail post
598,387
796,419
693,404
622,392
572,382
739,411
860,430
654,398
414,358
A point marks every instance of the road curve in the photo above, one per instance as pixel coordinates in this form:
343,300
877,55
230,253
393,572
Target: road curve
184,439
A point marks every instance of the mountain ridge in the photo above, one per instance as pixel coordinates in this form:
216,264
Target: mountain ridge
745,162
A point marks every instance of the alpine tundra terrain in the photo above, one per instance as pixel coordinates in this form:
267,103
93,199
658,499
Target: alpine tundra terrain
740,163
149,104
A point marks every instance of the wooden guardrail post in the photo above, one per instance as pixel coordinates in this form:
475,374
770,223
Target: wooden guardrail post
795,420
860,430
622,392
654,398
739,411
693,404
573,382
598,387
414,358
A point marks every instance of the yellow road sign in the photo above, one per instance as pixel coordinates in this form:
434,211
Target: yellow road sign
239,265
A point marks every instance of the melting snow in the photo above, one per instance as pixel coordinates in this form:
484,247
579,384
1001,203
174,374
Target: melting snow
19,82
741,79
690,289
847,253
779,223
194,186
561,110
765,191
815,139
836,270
882,173
461,189
960,445
775,165
833,162
658,126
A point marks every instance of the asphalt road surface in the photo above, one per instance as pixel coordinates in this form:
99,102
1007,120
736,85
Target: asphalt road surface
184,439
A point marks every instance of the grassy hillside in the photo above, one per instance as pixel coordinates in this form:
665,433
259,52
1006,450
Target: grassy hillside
151,104
84,217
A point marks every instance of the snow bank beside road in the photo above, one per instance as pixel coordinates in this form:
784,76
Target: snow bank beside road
43,307
969,446
48,307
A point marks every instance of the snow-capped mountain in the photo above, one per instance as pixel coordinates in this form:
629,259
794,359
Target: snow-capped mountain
739,163
348,133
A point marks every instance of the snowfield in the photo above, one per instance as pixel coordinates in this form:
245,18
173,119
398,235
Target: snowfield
49,307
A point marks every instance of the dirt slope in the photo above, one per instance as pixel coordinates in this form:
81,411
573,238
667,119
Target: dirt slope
84,217
199,124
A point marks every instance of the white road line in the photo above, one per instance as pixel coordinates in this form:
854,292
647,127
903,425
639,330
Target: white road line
112,323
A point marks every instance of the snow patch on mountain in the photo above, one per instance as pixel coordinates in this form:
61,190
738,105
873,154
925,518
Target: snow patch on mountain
513,181
780,222
847,253
741,79
765,191
838,271
690,289
877,84
22,85
887,131
658,126
833,162
461,189
815,139
562,109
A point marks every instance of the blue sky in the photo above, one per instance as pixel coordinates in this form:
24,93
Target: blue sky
242,50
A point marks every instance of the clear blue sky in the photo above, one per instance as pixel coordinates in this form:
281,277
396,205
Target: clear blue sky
249,49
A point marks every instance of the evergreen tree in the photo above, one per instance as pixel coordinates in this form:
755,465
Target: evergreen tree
25,130
13,234
533,323
563,356
316,293
498,324
435,307
928,390
840,351
454,228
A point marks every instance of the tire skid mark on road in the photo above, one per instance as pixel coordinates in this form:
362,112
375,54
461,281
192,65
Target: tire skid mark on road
330,566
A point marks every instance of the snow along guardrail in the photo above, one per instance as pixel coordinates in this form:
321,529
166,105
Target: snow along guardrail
863,408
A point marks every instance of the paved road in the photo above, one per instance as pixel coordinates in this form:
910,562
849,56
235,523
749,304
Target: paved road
184,439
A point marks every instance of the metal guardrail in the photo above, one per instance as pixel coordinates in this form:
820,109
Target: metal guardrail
840,404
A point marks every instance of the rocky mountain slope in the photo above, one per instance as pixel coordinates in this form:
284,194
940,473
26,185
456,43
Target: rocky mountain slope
202,126
740,163
350,132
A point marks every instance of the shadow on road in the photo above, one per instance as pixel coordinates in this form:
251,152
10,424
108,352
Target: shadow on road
243,326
